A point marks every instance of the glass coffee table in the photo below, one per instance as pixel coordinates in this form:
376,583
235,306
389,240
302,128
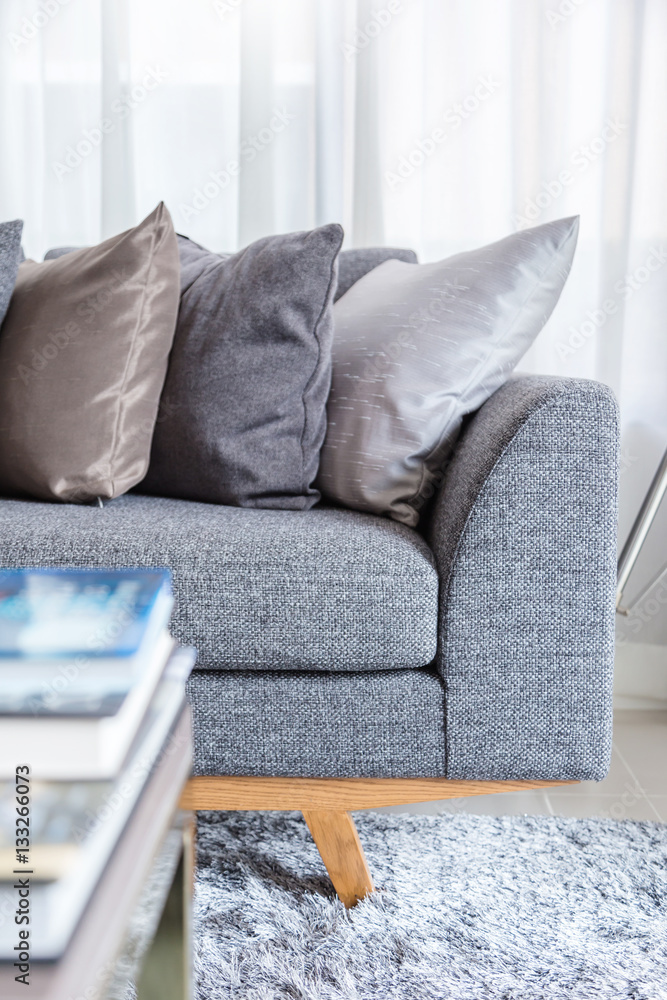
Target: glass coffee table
134,938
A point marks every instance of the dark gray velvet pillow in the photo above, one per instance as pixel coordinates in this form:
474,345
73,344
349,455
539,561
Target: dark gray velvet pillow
354,264
10,258
243,412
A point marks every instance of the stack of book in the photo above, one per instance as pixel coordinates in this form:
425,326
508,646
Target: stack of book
91,690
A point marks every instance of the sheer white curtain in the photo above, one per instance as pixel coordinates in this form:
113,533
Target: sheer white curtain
436,124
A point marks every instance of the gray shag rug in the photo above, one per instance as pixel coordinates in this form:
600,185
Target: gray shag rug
468,907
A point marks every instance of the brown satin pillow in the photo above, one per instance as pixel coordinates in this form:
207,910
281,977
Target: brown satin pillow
83,358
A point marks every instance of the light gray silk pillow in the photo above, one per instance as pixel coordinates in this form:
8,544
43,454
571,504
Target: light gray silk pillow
416,348
354,264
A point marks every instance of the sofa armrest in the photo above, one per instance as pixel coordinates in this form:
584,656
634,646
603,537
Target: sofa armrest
524,534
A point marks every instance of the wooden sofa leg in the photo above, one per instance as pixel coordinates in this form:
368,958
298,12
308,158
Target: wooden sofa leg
338,842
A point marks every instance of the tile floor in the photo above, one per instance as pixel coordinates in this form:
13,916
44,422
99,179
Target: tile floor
635,788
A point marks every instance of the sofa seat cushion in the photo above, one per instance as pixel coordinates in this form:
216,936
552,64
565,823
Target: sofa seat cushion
322,589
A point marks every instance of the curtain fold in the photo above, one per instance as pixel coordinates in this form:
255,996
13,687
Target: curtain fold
367,210
329,112
118,209
625,43
257,208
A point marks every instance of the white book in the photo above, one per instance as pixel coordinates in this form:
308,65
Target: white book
81,748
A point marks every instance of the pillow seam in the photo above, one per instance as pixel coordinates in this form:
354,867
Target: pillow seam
139,323
327,298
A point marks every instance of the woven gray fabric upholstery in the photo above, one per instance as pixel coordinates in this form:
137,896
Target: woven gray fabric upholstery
524,533
255,589
354,264
326,725
10,257
59,252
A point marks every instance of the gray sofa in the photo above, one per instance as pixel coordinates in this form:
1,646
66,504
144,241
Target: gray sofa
338,644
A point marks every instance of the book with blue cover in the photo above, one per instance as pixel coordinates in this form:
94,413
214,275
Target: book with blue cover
73,642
